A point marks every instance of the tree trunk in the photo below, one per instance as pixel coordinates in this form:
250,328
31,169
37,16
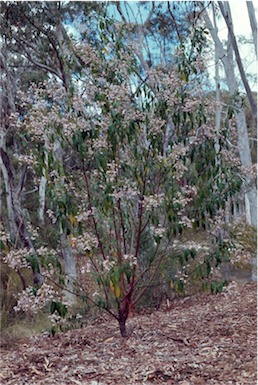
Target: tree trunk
13,189
67,252
42,197
217,82
225,10
70,269
122,318
243,138
253,23
8,193
42,190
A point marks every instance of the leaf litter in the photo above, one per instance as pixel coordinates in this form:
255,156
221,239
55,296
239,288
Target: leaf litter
199,340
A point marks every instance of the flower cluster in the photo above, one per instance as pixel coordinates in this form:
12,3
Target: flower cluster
29,159
17,258
112,171
108,264
153,201
30,300
83,216
155,126
181,275
158,231
84,243
127,192
33,231
4,235
43,251
87,268
56,319
51,215
185,221
131,259
178,151
185,196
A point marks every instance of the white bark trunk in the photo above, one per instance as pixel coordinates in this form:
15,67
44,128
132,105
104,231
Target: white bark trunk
67,252
42,197
8,193
243,139
70,269
42,189
217,81
253,23
226,13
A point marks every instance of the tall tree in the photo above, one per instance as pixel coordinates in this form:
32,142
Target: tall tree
253,23
226,13
35,38
243,138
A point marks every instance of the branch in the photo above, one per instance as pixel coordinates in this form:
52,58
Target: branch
150,14
80,295
36,63
228,20
21,182
253,23
150,279
118,6
174,21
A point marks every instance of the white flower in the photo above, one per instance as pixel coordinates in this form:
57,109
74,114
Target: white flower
84,242
17,259
159,231
153,201
131,259
31,301
108,265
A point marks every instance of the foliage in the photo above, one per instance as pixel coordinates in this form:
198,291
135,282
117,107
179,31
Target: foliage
130,166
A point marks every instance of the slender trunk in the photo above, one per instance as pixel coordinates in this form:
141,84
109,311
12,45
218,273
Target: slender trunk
7,108
217,81
253,23
8,193
67,252
70,269
43,184
122,327
13,189
225,10
243,138
42,196
122,318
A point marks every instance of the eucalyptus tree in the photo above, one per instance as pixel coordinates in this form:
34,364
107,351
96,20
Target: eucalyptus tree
253,22
36,46
226,13
226,56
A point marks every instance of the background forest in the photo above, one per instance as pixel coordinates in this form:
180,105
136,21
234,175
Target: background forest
128,157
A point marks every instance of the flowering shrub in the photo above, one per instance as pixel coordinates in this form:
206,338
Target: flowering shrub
136,162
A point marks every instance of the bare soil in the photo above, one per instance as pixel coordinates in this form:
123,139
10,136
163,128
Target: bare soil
199,340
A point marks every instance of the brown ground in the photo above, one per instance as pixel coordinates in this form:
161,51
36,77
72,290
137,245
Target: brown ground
204,340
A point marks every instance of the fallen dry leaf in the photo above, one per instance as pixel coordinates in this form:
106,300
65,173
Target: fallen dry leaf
206,340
